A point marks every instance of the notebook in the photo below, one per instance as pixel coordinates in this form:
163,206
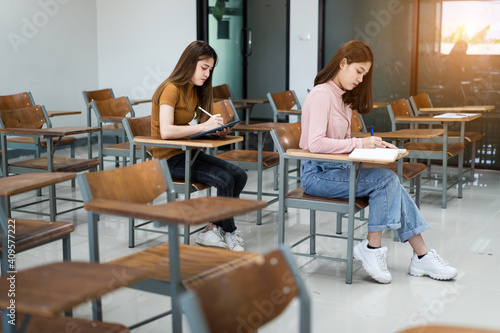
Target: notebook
455,115
220,128
376,154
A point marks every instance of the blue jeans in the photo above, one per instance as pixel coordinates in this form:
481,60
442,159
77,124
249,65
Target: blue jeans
227,178
391,207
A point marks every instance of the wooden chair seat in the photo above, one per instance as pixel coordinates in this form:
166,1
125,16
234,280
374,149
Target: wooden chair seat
69,324
469,136
194,260
32,233
61,164
298,193
269,159
410,170
453,148
43,142
51,289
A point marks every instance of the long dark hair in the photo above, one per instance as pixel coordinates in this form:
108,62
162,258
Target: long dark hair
184,70
360,98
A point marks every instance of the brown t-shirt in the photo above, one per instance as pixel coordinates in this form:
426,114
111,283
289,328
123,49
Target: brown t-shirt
173,96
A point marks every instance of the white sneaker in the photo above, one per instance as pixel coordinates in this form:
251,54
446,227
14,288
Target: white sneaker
212,238
373,261
234,241
432,265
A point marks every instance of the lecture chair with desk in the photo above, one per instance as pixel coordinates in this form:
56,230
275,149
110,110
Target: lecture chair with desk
141,127
38,146
169,264
286,140
421,105
25,122
259,159
400,113
111,112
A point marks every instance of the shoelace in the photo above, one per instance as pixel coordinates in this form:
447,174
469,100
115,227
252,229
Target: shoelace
381,259
437,258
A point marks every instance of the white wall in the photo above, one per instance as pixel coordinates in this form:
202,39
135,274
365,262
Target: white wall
303,46
48,47
58,48
139,43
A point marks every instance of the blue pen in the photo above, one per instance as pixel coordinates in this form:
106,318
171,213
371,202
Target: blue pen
371,130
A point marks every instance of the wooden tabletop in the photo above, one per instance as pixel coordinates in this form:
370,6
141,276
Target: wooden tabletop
290,111
465,108
56,131
62,113
51,289
259,127
184,212
207,142
31,181
336,157
377,105
139,101
420,133
250,100
437,120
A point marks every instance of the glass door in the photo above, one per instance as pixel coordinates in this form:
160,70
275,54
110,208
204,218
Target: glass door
226,34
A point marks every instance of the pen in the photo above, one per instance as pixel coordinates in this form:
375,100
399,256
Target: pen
371,130
202,109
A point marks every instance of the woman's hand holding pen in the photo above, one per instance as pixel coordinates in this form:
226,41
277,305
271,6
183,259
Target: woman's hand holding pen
213,122
376,142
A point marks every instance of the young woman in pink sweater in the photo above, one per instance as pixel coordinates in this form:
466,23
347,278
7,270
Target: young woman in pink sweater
343,85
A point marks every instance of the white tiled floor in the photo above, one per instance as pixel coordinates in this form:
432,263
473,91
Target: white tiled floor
466,234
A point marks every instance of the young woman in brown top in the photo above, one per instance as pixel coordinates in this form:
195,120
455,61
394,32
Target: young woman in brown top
175,105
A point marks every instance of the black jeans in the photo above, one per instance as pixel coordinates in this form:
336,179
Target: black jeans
227,178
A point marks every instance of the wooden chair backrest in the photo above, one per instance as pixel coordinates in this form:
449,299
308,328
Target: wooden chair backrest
140,126
16,101
249,299
27,117
115,107
99,95
222,92
401,108
224,108
289,136
137,183
422,100
356,122
284,100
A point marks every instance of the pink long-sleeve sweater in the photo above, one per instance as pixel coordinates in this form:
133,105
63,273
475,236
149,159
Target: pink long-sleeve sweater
326,122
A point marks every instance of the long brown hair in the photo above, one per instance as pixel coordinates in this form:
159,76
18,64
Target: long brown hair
184,70
360,98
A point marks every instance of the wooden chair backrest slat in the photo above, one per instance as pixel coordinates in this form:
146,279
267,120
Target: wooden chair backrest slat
99,95
115,107
138,183
16,101
356,122
140,126
401,108
223,108
31,117
422,100
289,136
237,313
284,100
222,92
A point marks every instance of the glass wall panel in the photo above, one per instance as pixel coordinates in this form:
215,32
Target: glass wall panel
459,64
386,27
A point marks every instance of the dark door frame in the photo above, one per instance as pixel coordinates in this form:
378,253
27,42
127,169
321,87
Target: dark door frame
202,12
